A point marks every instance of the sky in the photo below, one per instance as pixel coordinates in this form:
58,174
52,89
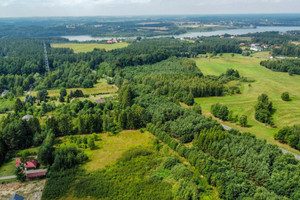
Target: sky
29,8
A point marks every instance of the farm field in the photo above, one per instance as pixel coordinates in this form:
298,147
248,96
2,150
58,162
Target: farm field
86,47
266,81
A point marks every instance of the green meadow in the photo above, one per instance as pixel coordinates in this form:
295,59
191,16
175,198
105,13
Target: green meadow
266,81
86,47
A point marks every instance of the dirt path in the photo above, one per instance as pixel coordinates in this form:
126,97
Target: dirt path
283,150
7,177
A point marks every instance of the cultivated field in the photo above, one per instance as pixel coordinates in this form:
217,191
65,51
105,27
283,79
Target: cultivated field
266,81
86,47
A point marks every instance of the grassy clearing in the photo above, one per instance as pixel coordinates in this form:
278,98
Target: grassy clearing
86,47
8,168
266,81
99,88
110,148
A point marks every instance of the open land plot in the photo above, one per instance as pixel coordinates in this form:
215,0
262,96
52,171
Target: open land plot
110,148
266,81
86,47
99,88
31,190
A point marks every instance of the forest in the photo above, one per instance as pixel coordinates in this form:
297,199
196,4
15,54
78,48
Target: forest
157,84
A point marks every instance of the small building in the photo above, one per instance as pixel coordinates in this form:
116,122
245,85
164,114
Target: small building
100,101
27,117
31,164
115,41
222,36
36,174
232,37
17,197
277,47
255,48
5,92
242,44
109,41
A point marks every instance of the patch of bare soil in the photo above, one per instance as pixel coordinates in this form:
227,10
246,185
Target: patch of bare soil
30,190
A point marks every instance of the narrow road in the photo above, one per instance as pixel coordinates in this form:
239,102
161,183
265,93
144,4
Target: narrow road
7,177
283,150
27,172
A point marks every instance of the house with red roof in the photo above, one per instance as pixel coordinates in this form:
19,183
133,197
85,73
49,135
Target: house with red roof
31,164
109,41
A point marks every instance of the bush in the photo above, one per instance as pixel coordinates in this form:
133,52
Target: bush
170,162
243,121
285,96
134,152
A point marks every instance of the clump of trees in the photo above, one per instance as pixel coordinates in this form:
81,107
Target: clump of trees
264,110
243,121
289,135
285,96
220,111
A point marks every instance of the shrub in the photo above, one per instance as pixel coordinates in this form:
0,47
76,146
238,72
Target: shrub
170,162
285,96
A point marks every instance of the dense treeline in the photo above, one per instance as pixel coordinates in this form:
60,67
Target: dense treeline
289,135
292,66
273,37
259,160
287,49
222,171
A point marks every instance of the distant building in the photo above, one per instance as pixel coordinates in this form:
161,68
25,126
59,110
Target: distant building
222,36
255,48
36,173
5,92
242,44
31,164
281,57
27,117
277,47
109,41
17,197
232,36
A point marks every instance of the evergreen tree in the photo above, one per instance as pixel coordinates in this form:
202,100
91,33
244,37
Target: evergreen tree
18,107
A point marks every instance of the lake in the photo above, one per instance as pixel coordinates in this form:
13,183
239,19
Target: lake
259,29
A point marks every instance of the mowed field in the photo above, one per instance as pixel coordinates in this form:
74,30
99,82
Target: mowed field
266,81
86,47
